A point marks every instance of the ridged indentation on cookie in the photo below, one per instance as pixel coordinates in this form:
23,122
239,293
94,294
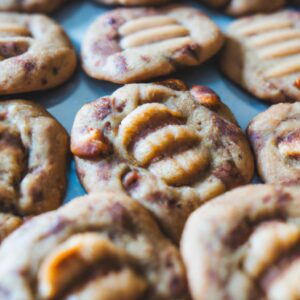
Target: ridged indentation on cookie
156,137
181,168
273,267
12,30
280,49
262,26
276,41
14,40
148,30
88,262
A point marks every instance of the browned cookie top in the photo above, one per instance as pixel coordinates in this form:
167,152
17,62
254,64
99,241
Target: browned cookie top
136,44
103,246
262,54
275,137
35,53
42,6
170,148
245,245
245,7
33,150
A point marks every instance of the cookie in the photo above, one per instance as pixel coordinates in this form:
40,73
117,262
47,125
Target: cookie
33,154
262,54
136,44
245,7
245,245
132,2
103,246
168,147
275,138
41,6
35,53
8,223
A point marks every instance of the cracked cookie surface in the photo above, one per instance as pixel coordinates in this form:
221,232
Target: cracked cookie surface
275,138
35,53
245,245
135,44
262,54
103,246
169,147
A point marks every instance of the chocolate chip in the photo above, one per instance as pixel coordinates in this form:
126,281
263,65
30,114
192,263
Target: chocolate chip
121,216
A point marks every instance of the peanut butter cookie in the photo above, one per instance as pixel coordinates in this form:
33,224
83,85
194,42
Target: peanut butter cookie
245,7
33,154
170,148
41,6
35,53
262,54
103,246
275,137
245,245
136,44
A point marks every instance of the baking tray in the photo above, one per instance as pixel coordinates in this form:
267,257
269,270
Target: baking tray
64,102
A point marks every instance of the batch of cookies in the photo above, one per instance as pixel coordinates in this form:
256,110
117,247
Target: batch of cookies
157,158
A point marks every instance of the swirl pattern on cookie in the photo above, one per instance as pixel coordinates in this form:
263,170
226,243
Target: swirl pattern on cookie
170,148
40,6
262,54
245,245
135,44
103,246
35,53
275,138
245,7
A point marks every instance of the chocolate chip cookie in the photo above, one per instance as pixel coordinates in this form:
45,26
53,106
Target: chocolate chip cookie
245,245
262,54
35,53
275,137
41,6
168,147
245,7
103,246
135,44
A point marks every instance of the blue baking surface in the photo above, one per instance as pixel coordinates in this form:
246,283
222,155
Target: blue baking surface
65,101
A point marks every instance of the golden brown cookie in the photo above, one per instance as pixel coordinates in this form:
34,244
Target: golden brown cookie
245,7
132,2
136,44
35,53
33,154
42,6
103,246
245,245
275,138
262,54
168,147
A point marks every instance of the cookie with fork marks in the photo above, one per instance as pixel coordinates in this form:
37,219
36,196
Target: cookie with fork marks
262,54
168,147
136,44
